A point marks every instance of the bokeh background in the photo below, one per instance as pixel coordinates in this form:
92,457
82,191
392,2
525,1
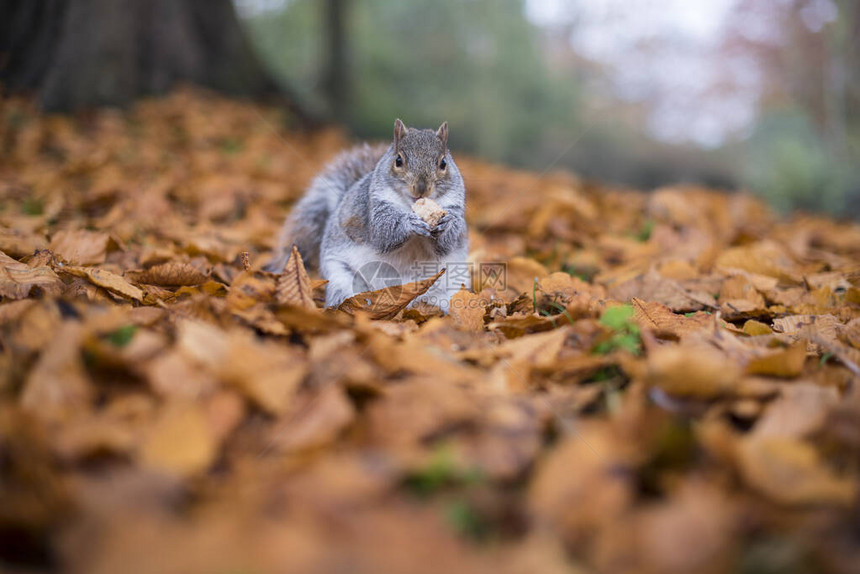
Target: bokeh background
755,94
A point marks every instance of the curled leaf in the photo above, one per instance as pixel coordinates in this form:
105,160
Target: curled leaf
388,302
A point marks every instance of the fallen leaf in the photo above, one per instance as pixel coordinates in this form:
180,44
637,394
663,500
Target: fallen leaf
80,246
663,321
800,411
513,327
696,372
18,281
467,310
520,274
103,278
250,288
169,274
808,326
58,384
653,287
755,328
18,244
785,363
739,299
267,374
388,302
172,375
313,422
763,258
791,472
576,504
180,442
294,284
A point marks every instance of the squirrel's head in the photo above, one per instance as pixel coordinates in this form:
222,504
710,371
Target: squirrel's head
420,161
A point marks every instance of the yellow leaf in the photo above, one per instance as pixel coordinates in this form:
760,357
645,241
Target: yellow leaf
754,328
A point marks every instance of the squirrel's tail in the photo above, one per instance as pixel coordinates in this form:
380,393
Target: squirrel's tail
304,228
306,223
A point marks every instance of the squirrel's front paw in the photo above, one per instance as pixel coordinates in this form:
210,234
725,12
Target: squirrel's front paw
418,226
444,223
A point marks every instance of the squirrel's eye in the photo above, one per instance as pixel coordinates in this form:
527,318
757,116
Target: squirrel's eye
398,161
443,164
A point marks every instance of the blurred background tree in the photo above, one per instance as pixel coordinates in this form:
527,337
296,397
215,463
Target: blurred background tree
74,54
731,93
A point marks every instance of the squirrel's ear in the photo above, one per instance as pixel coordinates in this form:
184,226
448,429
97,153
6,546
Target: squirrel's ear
399,131
442,133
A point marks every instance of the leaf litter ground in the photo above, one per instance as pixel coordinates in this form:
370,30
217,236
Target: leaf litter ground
658,382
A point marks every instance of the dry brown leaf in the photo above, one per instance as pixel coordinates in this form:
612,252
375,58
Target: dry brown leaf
267,374
653,287
180,442
693,532
850,333
18,280
388,302
213,288
294,285
786,363
800,411
18,244
509,439
663,321
313,422
791,472
521,273
739,299
808,326
80,246
696,371
58,383
105,279
763,258
172,375
225,410
578,502
539,350
250,288
413,412
517,326
561,287
467,310
169,274
13,310
91,438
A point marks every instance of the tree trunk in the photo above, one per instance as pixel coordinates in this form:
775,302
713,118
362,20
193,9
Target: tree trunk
336,80
81,53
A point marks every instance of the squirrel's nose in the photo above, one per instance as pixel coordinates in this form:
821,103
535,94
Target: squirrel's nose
421,187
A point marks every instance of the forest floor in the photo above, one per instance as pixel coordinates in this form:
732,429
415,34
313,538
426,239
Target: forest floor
655,383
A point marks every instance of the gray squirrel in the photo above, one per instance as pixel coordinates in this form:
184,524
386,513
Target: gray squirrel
356,224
